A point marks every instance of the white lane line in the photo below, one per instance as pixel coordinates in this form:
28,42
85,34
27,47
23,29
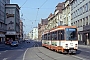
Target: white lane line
78,57
5,51
5,58
25,53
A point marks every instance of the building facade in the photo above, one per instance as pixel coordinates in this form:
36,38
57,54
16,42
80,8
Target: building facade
31,34
21,30
55,19
2,19
39,31
58,14
42,28
13,21
67,13
80,17
35,33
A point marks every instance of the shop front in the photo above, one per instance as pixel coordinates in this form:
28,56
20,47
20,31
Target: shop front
2,38
12,35
86,34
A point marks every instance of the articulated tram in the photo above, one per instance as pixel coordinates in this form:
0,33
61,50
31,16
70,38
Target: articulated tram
61,39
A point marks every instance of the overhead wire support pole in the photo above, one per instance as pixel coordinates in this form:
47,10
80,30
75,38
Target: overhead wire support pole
39,9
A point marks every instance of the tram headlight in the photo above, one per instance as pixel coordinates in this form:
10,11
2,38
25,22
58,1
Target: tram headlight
66,45
76,45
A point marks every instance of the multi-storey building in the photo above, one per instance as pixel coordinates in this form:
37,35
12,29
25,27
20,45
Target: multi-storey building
12,21
35,33
2,19
51,22
31,34
41,27
21,30
58,14
80,17
67,13
39,32
55,19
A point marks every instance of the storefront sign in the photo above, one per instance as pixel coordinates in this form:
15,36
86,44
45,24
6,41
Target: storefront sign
2,35
11,33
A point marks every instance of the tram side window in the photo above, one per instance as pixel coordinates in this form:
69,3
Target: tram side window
42,37
49,37
61,35
54,35
45,37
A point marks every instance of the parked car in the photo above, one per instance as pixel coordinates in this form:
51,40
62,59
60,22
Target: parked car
7,42
14,43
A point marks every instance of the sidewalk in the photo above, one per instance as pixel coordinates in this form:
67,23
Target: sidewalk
1,45
84,46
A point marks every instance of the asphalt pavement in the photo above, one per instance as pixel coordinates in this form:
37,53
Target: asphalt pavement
34,51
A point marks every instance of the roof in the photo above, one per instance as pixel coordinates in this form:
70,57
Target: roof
59,7
44,21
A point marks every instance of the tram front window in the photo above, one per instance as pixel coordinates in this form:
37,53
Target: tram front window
71,34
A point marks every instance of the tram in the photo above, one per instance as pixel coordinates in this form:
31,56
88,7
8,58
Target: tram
61,39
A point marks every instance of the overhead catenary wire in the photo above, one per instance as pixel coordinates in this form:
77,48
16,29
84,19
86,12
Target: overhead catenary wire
43,4
23,3
39,8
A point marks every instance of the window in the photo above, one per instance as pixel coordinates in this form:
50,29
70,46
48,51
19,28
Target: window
78,24
72,24
49,36
87,20
54,35
81,10
78,12
83,21
71,34
61,35
86,7
89,5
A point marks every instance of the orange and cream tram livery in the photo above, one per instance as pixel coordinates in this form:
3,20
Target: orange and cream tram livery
61,39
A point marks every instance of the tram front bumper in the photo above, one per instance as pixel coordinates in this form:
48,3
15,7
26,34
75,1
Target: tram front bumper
72,51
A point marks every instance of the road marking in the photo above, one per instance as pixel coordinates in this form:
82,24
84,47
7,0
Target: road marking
25,53
5,51
78,57
5,58
0,53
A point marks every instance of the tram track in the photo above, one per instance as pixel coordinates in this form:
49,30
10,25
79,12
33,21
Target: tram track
71,55
36,45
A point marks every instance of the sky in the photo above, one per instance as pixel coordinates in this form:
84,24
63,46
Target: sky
31,11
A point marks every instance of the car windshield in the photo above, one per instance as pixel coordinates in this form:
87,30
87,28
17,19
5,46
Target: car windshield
15,42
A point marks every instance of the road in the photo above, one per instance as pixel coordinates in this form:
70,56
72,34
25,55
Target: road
34,51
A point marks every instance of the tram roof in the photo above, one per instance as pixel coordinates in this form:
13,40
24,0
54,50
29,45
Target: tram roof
58,28
61,28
